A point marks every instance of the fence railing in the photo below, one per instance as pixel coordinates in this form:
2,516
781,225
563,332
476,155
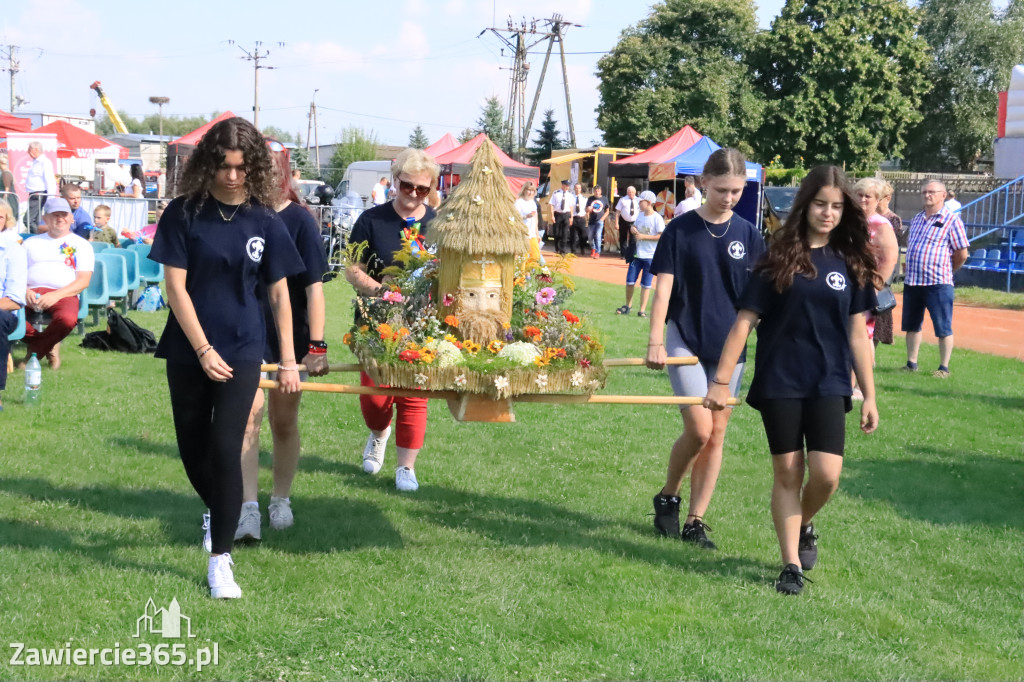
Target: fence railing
994,211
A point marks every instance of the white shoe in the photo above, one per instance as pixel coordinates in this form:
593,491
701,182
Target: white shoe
280,512
207,539
373,453
249,522
221,579
405,480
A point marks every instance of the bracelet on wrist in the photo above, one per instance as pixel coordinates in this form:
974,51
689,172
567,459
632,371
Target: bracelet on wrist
205,345
655,344
282,368
209,348
720,383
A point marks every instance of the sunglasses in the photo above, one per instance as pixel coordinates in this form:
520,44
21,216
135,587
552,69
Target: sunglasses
409,188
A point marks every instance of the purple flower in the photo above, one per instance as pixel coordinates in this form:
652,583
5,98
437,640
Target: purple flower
509,336
545,296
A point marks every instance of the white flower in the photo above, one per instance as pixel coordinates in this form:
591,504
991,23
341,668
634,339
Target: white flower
520,352
447,353
577,378
487,170
501,384
421,379
478,200
512,219
542,381
460,380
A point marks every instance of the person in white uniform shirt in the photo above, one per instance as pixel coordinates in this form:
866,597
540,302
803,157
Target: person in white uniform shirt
628,209
562,203
40,182
647,229
578,237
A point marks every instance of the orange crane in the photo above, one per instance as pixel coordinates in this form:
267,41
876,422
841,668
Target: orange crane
115,118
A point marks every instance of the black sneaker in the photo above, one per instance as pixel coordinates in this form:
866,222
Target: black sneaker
666,515
808,549
791,580
695,532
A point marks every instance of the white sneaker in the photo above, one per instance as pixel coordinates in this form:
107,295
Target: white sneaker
280,512
221,579
373,453
249,522
207,538
405,480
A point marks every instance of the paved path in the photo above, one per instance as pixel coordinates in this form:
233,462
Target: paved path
987,330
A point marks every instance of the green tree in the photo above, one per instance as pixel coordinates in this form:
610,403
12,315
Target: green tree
174,126
281,135
492,122
466,135
683,64
973,47
303,160
548,138
354,144
418,139
843,81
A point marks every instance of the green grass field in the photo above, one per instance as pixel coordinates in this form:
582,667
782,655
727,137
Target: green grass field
527,552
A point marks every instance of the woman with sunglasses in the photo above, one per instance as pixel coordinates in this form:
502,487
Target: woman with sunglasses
223,250
381,229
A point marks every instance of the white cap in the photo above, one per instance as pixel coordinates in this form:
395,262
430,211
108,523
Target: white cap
647,195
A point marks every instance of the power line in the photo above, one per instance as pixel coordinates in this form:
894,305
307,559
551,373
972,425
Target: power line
255,56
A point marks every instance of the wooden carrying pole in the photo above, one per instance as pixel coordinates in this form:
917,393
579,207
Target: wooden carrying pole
612,362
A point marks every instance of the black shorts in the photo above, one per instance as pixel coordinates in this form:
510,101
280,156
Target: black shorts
820,422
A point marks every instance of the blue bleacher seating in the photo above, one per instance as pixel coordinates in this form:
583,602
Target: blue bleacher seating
976,259
19,331
116,275
100,246
96,296
994,260
150,272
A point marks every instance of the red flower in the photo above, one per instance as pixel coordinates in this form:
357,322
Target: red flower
541,313
585,363
409,355
569,317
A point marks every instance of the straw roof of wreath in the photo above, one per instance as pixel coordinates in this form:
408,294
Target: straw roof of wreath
479,216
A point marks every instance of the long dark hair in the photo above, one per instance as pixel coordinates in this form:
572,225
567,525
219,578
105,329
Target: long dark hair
233,134
137,174
789,252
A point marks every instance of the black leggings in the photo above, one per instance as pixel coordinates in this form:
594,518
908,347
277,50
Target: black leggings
209,421
821,422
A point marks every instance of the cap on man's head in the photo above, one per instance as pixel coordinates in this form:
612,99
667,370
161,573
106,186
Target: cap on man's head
56,205
565,182
647,195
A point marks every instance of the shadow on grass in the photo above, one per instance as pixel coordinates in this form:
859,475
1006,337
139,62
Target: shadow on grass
352,525
943,486
145,446
1004,402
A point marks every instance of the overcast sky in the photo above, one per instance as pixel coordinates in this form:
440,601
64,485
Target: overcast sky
383,66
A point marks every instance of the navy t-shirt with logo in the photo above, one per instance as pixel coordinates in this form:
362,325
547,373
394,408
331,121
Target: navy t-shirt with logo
226,263
803,343
709,275
305,234
382,229
597,206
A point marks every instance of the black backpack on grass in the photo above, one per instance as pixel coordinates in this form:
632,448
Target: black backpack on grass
122,335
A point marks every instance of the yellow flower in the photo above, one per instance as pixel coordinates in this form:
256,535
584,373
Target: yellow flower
450,339
427,356
384,328
506,325
471,347
541,361
364,328
412,345
430,339
346,339
404,332
495,346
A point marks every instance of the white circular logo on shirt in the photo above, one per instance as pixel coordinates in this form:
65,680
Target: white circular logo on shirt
836,281
254,248
737,250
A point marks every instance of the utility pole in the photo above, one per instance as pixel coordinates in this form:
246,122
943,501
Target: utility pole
13,66
255,56
312,131
556,34
160,102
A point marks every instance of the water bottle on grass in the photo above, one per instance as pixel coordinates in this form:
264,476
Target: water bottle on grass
33,382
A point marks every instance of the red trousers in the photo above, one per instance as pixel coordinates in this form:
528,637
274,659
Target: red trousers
65,317
412,415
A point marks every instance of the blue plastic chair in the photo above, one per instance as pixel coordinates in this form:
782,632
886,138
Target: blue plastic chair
19,331
994,259
150,272
100,246
116,275
131,275
26,235
976,259
96,296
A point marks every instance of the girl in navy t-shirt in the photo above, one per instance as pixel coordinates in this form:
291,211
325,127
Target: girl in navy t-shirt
703,260
219,243
811,293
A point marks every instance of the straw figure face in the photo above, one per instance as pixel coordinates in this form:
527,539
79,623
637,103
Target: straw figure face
478,233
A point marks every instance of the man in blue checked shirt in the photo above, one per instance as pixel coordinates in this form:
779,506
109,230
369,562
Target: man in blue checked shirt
936,248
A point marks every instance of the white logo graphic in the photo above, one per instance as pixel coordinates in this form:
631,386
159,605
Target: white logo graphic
737,250
164,622
836,281
255,249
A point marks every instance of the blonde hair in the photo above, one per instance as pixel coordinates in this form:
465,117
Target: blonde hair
10,221
102,209
527,186
870,186
887,189
415,161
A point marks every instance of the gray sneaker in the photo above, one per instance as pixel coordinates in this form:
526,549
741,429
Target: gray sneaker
405,480
248,523
373,453
280,513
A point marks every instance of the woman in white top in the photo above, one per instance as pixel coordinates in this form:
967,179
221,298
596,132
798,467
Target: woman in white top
137,187
526,204
691,201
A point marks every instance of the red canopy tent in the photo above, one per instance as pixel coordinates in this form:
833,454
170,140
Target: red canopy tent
13,124
458,160
640,165
180,149
442,146
77,143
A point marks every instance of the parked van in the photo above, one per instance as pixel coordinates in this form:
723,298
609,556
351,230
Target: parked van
360,177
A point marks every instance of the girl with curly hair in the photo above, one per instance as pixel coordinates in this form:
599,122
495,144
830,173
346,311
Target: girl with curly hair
811,293
218,242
